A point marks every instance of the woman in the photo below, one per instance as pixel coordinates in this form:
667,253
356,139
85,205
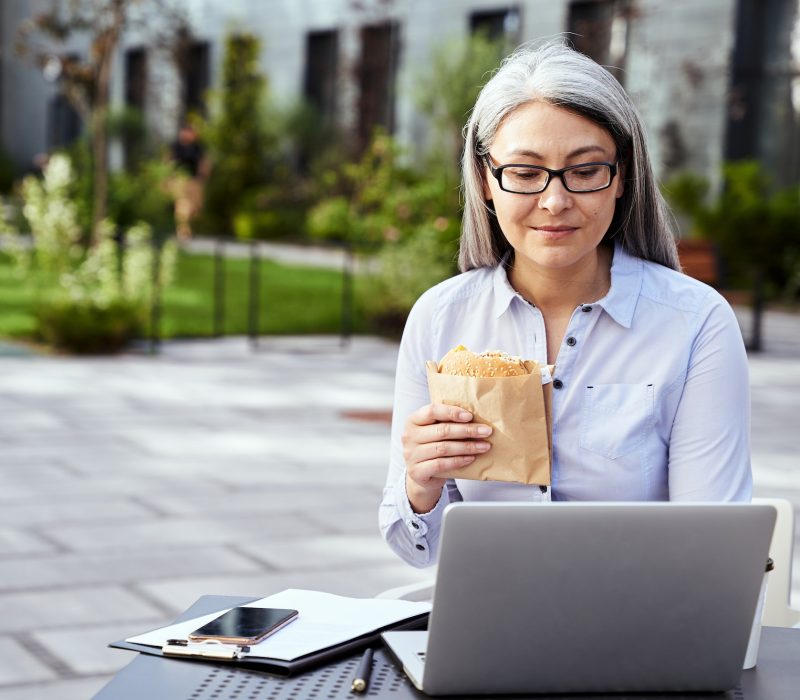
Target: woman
568,258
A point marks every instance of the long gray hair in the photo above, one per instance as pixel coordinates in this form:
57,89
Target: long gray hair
557,74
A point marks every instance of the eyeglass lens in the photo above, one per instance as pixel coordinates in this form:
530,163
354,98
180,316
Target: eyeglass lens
528,179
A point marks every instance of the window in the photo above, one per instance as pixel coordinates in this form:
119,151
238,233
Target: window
65,124
764,95
497,24
196,76
376,79
320,82
136,99
599,29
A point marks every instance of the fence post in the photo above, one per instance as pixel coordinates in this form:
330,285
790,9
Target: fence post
219,287
255,294
347,295
155,299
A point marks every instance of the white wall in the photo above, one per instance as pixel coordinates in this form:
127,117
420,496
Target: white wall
676,70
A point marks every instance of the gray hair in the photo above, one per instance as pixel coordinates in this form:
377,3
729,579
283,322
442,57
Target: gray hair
557,74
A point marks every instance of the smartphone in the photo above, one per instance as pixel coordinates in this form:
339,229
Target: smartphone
244,625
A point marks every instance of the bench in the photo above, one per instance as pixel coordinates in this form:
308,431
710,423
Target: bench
700,259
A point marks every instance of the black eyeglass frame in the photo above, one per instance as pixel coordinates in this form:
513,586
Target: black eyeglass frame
497,173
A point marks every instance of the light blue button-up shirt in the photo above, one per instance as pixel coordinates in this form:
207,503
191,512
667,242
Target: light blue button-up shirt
651,395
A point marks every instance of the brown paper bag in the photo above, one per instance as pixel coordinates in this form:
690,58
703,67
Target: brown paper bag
518,410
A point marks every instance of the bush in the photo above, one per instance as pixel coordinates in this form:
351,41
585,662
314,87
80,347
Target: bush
100,291
237,135
405,270
756,228
87,328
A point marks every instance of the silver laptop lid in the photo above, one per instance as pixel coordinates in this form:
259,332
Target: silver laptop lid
578,597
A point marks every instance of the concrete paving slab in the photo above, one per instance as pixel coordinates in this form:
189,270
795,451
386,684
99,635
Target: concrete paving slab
108,463
135,535
85,650
77,689
74,606
45,510
61,571
362,582
329,552
15,541
17,664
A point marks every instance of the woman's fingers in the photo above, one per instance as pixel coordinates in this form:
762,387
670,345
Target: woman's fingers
438,412
423,472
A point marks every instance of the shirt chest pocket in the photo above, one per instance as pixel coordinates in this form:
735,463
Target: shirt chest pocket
616,418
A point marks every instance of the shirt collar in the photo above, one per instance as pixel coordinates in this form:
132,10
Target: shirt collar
503,291
626,283
619,303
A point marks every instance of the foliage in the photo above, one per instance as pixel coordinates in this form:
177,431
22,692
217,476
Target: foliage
237,136
451,83
101,291
405,270
380,199
294,299
135,194
140,195
756,228
85,78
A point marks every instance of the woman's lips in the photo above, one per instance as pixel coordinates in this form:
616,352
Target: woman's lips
554,232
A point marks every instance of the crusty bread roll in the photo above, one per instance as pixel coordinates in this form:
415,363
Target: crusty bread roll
492,363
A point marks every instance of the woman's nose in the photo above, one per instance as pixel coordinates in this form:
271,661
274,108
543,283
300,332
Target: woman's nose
556,197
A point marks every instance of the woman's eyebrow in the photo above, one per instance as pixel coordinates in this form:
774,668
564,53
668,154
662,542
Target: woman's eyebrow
572,154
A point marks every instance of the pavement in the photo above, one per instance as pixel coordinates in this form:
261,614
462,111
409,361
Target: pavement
130,486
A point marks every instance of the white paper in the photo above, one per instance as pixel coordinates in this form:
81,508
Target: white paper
324,621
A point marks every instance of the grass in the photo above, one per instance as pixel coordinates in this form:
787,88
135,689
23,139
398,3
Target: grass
292,300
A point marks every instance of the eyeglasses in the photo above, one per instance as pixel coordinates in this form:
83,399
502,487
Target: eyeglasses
533,179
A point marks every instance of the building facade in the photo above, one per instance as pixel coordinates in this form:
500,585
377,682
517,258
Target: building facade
713,79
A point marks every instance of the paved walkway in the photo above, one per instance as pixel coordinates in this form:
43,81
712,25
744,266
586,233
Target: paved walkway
132,485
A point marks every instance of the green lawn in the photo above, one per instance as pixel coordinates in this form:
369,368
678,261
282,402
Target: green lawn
291,300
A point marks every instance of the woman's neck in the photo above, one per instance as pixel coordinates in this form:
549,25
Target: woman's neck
560,290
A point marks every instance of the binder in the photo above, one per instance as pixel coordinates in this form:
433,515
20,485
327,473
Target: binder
206,604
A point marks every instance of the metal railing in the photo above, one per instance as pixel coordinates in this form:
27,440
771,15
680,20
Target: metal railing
255,299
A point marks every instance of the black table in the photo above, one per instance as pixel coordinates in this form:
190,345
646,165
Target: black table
776,677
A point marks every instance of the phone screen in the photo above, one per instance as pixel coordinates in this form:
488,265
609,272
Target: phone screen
244,625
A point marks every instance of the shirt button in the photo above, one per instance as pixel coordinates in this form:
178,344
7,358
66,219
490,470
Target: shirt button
420,547
586,308
558,384
543,488
571,341
415,525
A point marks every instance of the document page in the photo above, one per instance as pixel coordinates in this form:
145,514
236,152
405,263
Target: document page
325,620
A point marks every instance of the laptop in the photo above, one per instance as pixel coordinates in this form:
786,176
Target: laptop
590,597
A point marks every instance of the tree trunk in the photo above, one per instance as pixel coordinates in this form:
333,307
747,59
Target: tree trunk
103,49
100,169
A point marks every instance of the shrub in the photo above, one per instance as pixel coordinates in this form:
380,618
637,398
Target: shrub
404,271
94,298
88,329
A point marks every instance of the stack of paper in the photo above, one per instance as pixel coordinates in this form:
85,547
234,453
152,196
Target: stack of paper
325,621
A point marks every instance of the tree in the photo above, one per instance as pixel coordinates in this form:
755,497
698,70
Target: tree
237,134
86,80
448,90
755,227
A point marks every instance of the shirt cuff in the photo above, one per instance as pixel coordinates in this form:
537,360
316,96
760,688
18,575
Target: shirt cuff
423,528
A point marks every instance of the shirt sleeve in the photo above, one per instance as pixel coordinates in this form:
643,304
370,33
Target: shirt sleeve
413,536
709,449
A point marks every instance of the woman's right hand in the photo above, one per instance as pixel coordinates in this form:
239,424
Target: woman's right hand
438,438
